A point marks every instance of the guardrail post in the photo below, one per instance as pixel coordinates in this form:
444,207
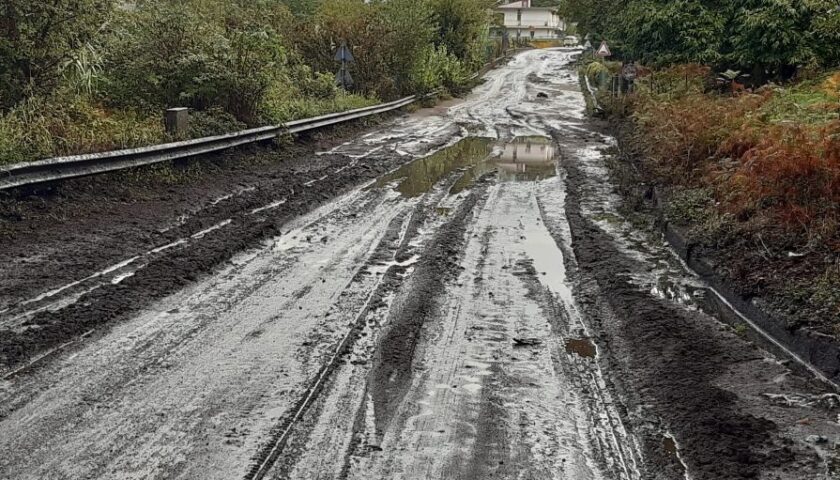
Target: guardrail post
177,121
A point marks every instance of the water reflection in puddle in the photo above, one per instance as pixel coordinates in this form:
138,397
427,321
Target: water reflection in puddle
419,176
527,158
522,159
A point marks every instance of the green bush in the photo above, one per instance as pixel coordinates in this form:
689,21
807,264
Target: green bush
438,68
192,55
767,38
40,39
213,121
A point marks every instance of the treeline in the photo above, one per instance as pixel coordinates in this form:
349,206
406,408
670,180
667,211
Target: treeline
82,75
770,39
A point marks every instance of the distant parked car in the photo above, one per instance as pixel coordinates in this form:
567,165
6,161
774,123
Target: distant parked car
571,41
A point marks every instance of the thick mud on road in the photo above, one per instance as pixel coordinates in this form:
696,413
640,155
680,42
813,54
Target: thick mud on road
452,295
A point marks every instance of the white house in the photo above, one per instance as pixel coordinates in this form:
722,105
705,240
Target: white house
523,21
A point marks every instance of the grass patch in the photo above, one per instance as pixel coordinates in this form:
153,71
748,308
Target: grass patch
49,127
43,127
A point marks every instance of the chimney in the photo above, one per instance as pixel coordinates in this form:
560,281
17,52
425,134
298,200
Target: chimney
526,3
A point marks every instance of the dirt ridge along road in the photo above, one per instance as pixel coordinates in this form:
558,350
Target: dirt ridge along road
543,341
707,403
172,265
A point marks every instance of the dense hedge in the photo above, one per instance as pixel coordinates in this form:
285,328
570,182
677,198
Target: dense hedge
83,75
769,39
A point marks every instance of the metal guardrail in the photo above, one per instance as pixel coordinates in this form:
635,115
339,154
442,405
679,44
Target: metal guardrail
62,168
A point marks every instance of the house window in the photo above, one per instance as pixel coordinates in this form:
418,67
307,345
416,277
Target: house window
532,34
519,16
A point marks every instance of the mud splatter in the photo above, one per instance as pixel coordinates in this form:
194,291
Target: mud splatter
582,347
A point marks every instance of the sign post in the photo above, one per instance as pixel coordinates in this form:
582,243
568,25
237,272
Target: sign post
629,72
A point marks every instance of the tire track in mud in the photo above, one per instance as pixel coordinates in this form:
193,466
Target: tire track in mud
175,269
400,258
615,448
392,370
264,461
500,429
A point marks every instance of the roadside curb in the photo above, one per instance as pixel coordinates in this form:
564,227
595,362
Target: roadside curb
811,348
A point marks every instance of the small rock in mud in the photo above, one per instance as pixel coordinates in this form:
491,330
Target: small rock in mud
542,95
816,439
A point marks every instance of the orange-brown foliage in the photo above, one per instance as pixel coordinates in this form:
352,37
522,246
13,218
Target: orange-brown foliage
683,135
787,172
792,171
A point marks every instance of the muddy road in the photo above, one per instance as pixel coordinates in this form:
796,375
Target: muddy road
452,294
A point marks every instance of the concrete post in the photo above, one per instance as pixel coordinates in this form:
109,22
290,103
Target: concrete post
177,121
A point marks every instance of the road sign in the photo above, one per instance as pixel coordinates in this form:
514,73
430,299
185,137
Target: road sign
604,50
343,77
343,54
587,45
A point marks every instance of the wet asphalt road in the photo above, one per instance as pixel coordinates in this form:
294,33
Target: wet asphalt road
456,318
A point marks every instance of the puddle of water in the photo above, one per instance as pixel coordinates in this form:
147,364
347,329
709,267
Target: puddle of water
522,159
669,444
419,176
527,158
582,347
